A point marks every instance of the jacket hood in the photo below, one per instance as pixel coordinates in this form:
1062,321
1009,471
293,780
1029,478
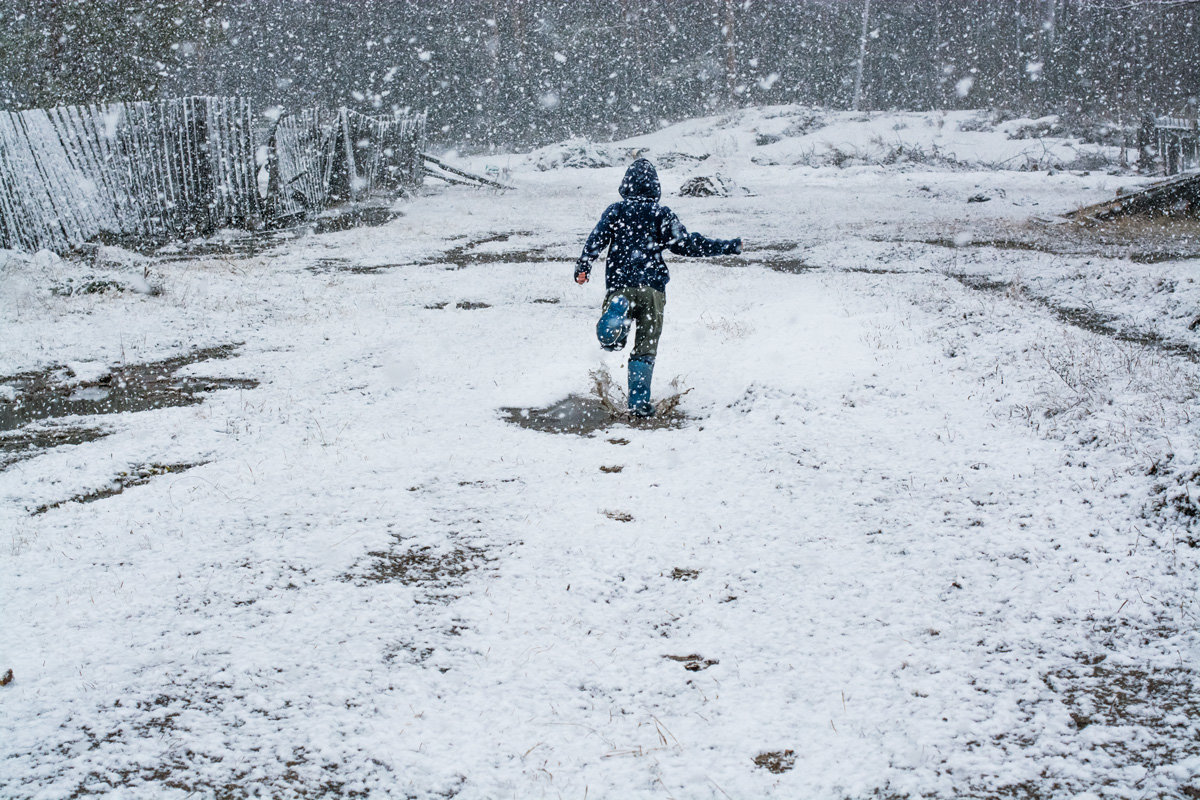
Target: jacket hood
641,182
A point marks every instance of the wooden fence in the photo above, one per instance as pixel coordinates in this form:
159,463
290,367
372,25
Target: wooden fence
175,168
300,152
375,154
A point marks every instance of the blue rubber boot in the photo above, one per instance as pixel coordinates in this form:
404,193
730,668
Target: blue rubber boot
613,328
641,370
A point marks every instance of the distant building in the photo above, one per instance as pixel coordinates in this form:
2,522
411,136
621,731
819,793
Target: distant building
1178,140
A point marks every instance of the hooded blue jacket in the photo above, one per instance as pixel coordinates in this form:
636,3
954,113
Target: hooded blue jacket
638,229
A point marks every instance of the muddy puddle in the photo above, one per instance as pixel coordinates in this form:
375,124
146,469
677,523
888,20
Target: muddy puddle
585,416
39,398
28,442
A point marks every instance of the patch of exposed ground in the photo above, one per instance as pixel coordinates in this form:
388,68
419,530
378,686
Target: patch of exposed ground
1162,705
467,254
29,420
352,216
248,244
777,761
136,476
575,414
166,714
34,439
694,662
1140,238
1176,500
49,394
1086,319
442,570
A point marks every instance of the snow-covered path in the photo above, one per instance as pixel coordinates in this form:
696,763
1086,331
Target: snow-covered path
860,562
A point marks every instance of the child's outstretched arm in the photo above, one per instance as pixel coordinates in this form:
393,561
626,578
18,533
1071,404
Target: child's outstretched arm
600,238
682,243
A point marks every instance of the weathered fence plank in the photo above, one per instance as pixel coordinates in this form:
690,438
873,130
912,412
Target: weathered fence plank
298,164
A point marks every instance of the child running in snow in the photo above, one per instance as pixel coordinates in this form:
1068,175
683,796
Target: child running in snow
636,231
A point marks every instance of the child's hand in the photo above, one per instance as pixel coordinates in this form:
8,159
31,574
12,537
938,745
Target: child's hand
581,278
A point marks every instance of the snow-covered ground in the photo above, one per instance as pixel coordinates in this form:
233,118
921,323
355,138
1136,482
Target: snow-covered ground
928,530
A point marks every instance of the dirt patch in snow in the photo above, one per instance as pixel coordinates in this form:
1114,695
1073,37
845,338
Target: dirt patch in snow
135,476
575,414
791,266
1086,319
1142,239
33,439
50,393
442,570
343,219
777,761
469,255
170,712
459,257
1162,704
694,662
30,397
684,574
248,244
1177,500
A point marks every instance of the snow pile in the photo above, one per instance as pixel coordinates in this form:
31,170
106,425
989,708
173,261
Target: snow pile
802,136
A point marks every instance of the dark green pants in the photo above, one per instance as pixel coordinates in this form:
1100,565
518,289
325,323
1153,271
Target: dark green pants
646,312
